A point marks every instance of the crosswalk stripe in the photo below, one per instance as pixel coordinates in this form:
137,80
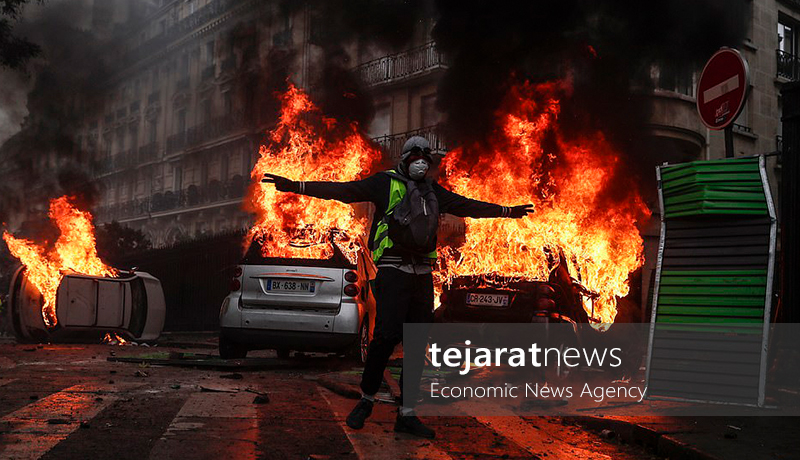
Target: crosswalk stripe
534,439
224,422
33,430
372,443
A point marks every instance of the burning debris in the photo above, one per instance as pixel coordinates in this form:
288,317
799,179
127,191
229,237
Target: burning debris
74,251
567,178
308,145
114,339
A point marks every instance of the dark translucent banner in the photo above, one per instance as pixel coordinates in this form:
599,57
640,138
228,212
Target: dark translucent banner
628,369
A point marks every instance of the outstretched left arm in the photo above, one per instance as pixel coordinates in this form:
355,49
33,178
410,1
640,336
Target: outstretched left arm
461,206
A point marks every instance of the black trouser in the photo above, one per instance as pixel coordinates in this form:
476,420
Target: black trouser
401,298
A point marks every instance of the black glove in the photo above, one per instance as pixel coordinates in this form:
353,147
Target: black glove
517,212
282,184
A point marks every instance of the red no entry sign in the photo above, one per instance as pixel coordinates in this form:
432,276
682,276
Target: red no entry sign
722,89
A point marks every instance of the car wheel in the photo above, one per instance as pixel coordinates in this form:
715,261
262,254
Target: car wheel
229,349
358,350
283,353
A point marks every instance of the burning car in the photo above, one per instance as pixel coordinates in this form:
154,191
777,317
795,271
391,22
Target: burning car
323,304
130,305
64,292
498,300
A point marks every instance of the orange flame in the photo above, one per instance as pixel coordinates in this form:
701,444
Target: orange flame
305,146
531,161
114,340
74,250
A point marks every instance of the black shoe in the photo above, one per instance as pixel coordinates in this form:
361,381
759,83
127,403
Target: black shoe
412,425
359,413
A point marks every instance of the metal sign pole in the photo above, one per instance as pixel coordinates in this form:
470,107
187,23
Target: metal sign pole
729,141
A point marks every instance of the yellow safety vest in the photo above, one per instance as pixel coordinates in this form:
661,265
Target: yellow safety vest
382,242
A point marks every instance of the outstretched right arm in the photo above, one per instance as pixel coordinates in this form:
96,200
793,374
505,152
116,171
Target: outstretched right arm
348,192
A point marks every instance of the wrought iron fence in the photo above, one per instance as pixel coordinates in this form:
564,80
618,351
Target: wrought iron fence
392,144
788,66
213,192
402,65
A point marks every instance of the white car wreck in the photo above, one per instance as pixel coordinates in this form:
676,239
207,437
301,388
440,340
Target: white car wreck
87,307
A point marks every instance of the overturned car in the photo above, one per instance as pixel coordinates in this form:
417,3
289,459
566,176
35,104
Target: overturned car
130,305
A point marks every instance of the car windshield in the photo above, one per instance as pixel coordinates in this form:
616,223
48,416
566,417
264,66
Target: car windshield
253,256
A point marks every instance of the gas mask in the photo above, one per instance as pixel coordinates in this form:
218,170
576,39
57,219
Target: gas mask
418,169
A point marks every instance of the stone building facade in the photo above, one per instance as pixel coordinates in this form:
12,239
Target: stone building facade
174,140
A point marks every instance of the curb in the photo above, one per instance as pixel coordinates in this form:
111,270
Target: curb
632,433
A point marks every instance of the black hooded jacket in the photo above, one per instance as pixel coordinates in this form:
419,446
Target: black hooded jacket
375,189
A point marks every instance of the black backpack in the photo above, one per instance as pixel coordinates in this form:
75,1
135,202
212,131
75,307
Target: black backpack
413,222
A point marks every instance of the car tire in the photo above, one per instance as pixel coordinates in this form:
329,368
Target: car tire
283,353
229,349
358,351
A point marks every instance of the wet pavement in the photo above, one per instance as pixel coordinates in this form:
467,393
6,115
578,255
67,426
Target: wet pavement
71,402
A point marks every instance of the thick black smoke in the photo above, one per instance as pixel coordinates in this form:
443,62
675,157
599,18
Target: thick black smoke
65,78
607,45
388,25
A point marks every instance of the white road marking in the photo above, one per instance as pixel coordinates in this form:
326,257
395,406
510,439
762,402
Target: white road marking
224,422
28,432
372,442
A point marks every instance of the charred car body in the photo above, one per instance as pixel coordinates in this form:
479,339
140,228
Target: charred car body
478,299
298,305
88,307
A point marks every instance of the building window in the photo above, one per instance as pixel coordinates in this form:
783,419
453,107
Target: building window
120,140
177,177
184,70
228,100
429,116
677,81
205,110
181,121
787,49
382,123
134,139
152,130
210,52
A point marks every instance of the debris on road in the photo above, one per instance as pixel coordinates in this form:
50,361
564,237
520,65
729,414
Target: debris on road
218,390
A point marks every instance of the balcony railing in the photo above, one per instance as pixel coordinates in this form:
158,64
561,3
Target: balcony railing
215,128
176,142
788,66
392,144
416,61
213,192
102,166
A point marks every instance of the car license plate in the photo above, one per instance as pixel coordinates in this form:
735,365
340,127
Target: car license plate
289,285
487,300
